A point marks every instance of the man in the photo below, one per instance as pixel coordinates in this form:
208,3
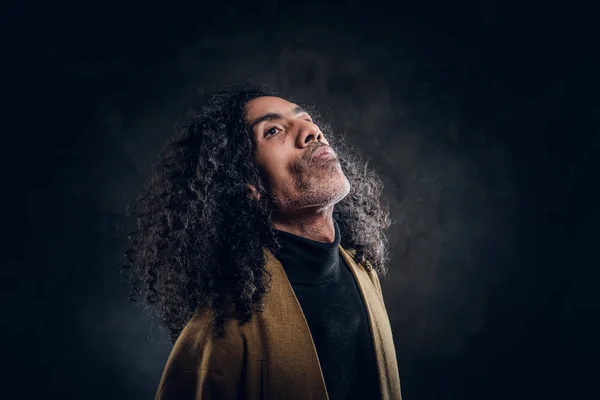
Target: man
260,245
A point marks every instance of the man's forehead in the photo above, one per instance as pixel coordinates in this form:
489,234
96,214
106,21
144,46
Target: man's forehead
269,104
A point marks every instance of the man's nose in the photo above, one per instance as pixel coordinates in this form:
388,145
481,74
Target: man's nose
309,132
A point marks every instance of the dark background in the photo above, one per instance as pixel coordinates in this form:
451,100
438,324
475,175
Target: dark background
482,119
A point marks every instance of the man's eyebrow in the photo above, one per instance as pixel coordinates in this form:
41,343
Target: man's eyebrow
273,116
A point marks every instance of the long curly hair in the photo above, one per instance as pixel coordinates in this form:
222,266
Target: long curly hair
199,239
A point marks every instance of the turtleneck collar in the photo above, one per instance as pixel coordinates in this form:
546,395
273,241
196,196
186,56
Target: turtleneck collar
307,261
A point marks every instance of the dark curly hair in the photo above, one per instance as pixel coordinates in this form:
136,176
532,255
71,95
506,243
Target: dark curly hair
199,238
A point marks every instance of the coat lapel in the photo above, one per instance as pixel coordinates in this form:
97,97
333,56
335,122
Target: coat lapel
381,331
291,350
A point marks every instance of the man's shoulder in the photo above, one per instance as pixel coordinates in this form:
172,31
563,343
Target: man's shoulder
366,265
199,331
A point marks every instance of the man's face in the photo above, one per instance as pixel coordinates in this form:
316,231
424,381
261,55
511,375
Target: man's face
285,139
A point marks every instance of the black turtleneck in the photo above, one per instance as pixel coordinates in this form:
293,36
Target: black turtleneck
335,312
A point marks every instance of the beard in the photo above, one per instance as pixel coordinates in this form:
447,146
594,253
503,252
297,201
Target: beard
316,183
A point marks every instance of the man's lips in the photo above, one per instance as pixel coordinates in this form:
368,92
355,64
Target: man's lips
323,152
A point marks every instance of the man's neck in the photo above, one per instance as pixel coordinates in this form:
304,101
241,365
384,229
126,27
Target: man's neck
318,226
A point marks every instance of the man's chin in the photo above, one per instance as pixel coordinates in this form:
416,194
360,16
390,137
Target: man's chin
338,188
326,167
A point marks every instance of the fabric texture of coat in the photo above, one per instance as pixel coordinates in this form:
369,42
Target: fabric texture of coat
272,356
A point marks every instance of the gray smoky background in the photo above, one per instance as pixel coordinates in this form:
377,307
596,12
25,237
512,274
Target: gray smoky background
482,125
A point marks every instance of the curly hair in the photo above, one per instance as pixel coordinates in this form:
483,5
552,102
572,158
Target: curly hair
199,239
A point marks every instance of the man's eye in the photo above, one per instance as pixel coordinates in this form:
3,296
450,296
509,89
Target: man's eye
272,130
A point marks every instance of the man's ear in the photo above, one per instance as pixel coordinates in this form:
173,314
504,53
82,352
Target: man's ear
253,193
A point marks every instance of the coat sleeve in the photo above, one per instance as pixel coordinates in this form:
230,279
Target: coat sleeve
201,367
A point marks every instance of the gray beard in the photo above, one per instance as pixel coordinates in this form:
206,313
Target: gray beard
313,192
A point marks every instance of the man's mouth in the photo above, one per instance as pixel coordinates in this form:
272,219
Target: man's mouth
323,153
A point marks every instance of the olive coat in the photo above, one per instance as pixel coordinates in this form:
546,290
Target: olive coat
272,356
